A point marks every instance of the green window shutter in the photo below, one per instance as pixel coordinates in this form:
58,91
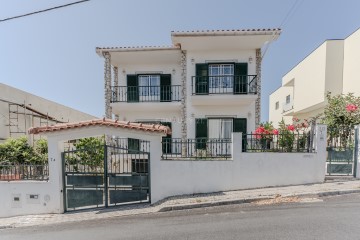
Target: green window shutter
240,125
132,88
167,141
240,83
202,79
133,145
201,132
165,88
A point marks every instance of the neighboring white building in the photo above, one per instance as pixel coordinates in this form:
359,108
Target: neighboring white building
332,67
20,111
206,85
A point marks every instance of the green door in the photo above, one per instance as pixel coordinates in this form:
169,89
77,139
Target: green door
132,88
201,132
165,88
240,125
202,79
240,79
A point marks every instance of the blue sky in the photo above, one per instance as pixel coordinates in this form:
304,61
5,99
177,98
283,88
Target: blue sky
53,55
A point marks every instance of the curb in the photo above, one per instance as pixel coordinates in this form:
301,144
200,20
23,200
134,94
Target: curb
249,200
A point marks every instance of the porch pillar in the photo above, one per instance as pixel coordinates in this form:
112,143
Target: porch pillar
183,102
107,82
258,88
116,89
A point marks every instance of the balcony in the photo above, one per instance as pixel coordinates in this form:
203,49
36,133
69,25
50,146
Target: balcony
220,90
127,98
288,108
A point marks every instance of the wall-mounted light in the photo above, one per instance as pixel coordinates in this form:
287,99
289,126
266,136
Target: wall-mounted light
123,71
250,59
192,61
173,71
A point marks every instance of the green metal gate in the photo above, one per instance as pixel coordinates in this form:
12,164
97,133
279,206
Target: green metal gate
341,155
106,175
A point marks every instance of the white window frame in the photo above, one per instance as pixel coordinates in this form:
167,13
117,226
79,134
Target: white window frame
221,77
149,85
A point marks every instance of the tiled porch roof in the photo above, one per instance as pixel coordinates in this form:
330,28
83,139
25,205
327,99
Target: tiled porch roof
224,31
102,122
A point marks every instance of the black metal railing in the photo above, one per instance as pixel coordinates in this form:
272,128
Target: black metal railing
290,142
16,172
196,149
131,144
167,93
235,84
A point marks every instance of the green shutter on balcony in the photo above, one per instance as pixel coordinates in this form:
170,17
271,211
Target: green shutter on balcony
132,88
133,145
202,79
240,81
165,87
167,141
201,132
240,125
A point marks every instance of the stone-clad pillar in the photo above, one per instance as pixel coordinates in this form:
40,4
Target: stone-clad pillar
107,81
116,87
258,88
183,101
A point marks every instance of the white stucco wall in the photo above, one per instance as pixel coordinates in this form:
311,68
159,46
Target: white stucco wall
351,63
276,115
246,170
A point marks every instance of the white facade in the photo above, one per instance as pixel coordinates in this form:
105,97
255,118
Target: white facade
180,61
39,111
332,67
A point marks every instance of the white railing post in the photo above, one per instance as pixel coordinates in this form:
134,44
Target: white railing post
356,154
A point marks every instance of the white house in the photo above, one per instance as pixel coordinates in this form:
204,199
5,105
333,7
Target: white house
332,67
21,110
206,85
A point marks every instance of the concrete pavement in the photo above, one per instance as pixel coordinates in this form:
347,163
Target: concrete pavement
264,195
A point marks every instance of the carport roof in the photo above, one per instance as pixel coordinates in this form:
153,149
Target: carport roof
102,122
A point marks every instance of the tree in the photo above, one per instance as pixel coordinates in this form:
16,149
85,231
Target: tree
341,115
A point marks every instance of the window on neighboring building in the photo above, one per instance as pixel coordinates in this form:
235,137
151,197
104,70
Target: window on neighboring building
277,105
287,99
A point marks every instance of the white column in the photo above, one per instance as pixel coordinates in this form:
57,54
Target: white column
155,169
56,174
236,147
320,146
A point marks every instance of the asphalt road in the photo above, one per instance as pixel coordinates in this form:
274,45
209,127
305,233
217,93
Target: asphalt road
335,218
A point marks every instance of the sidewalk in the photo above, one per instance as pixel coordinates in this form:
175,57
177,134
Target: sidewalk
330,187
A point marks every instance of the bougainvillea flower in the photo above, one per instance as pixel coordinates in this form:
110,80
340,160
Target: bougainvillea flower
291,127
275,131
351,107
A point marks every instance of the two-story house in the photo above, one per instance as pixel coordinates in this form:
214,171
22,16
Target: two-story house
205,86
332,67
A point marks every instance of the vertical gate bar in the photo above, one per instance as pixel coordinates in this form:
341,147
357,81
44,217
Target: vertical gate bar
356,151
148,175
64,179
105,175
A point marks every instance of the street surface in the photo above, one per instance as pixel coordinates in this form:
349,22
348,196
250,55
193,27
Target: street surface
336,217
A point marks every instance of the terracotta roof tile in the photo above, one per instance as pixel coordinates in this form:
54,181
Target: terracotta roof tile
228,30
102,122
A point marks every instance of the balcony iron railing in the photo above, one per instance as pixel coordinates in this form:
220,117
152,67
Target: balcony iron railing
233,84
16,172
196,149
167,93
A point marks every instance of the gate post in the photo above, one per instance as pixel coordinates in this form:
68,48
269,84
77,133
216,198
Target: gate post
356,153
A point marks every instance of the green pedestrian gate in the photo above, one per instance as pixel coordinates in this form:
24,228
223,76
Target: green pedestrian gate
104,176
341,154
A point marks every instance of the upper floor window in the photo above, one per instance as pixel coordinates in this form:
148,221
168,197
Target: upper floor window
277,105
287,99
221,75
149,85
